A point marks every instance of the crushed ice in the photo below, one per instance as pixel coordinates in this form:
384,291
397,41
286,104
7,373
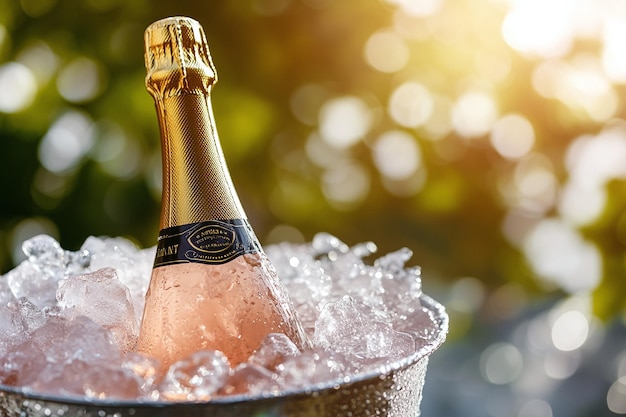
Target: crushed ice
69,322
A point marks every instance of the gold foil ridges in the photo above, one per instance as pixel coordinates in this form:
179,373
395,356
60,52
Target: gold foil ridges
177,58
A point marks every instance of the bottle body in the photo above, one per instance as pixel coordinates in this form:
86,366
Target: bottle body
222,307
212,287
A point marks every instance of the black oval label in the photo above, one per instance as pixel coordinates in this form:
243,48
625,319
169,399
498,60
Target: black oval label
212,239
210,242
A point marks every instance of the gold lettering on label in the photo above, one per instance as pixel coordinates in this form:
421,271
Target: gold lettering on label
167,251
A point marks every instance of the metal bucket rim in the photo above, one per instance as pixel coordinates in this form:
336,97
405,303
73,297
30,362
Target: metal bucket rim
382,372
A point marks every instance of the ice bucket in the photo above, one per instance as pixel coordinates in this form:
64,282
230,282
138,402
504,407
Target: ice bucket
392,390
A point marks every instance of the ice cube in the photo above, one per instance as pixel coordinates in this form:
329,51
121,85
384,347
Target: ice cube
250,379
312,367
101,296
65,340
32,317
289,259
347,266
12,330
6,295
421,324
133,265
350,327
79,359
307,290
22,365
402,293
364,284
274,350
146,369
305,279
46,254
28,281
53,332
197,377
97,380
325,243
77,262
37,277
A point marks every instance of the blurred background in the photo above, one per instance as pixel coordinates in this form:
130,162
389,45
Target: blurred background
488,136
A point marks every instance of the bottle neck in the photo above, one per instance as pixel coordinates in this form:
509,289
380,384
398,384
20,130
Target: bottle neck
196,183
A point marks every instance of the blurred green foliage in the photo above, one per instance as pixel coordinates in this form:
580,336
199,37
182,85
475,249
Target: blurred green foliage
265,52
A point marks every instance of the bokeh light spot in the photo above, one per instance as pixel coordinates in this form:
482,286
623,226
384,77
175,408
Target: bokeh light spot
440,122
570,331
512,136
41,60
81,80
346,185
466,295
539,27
397,154
595,160
581,205
306,101
561,365
592,161
67,141
535,184
474,114
18,86
411,104
386,51
321,153
536,408
501,363
613,57
117,155
580,84
559,255
344,121
616,397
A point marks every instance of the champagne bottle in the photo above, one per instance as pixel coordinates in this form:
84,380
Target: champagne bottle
212,287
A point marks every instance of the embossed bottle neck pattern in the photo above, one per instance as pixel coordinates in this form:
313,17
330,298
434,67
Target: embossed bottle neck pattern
196,182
